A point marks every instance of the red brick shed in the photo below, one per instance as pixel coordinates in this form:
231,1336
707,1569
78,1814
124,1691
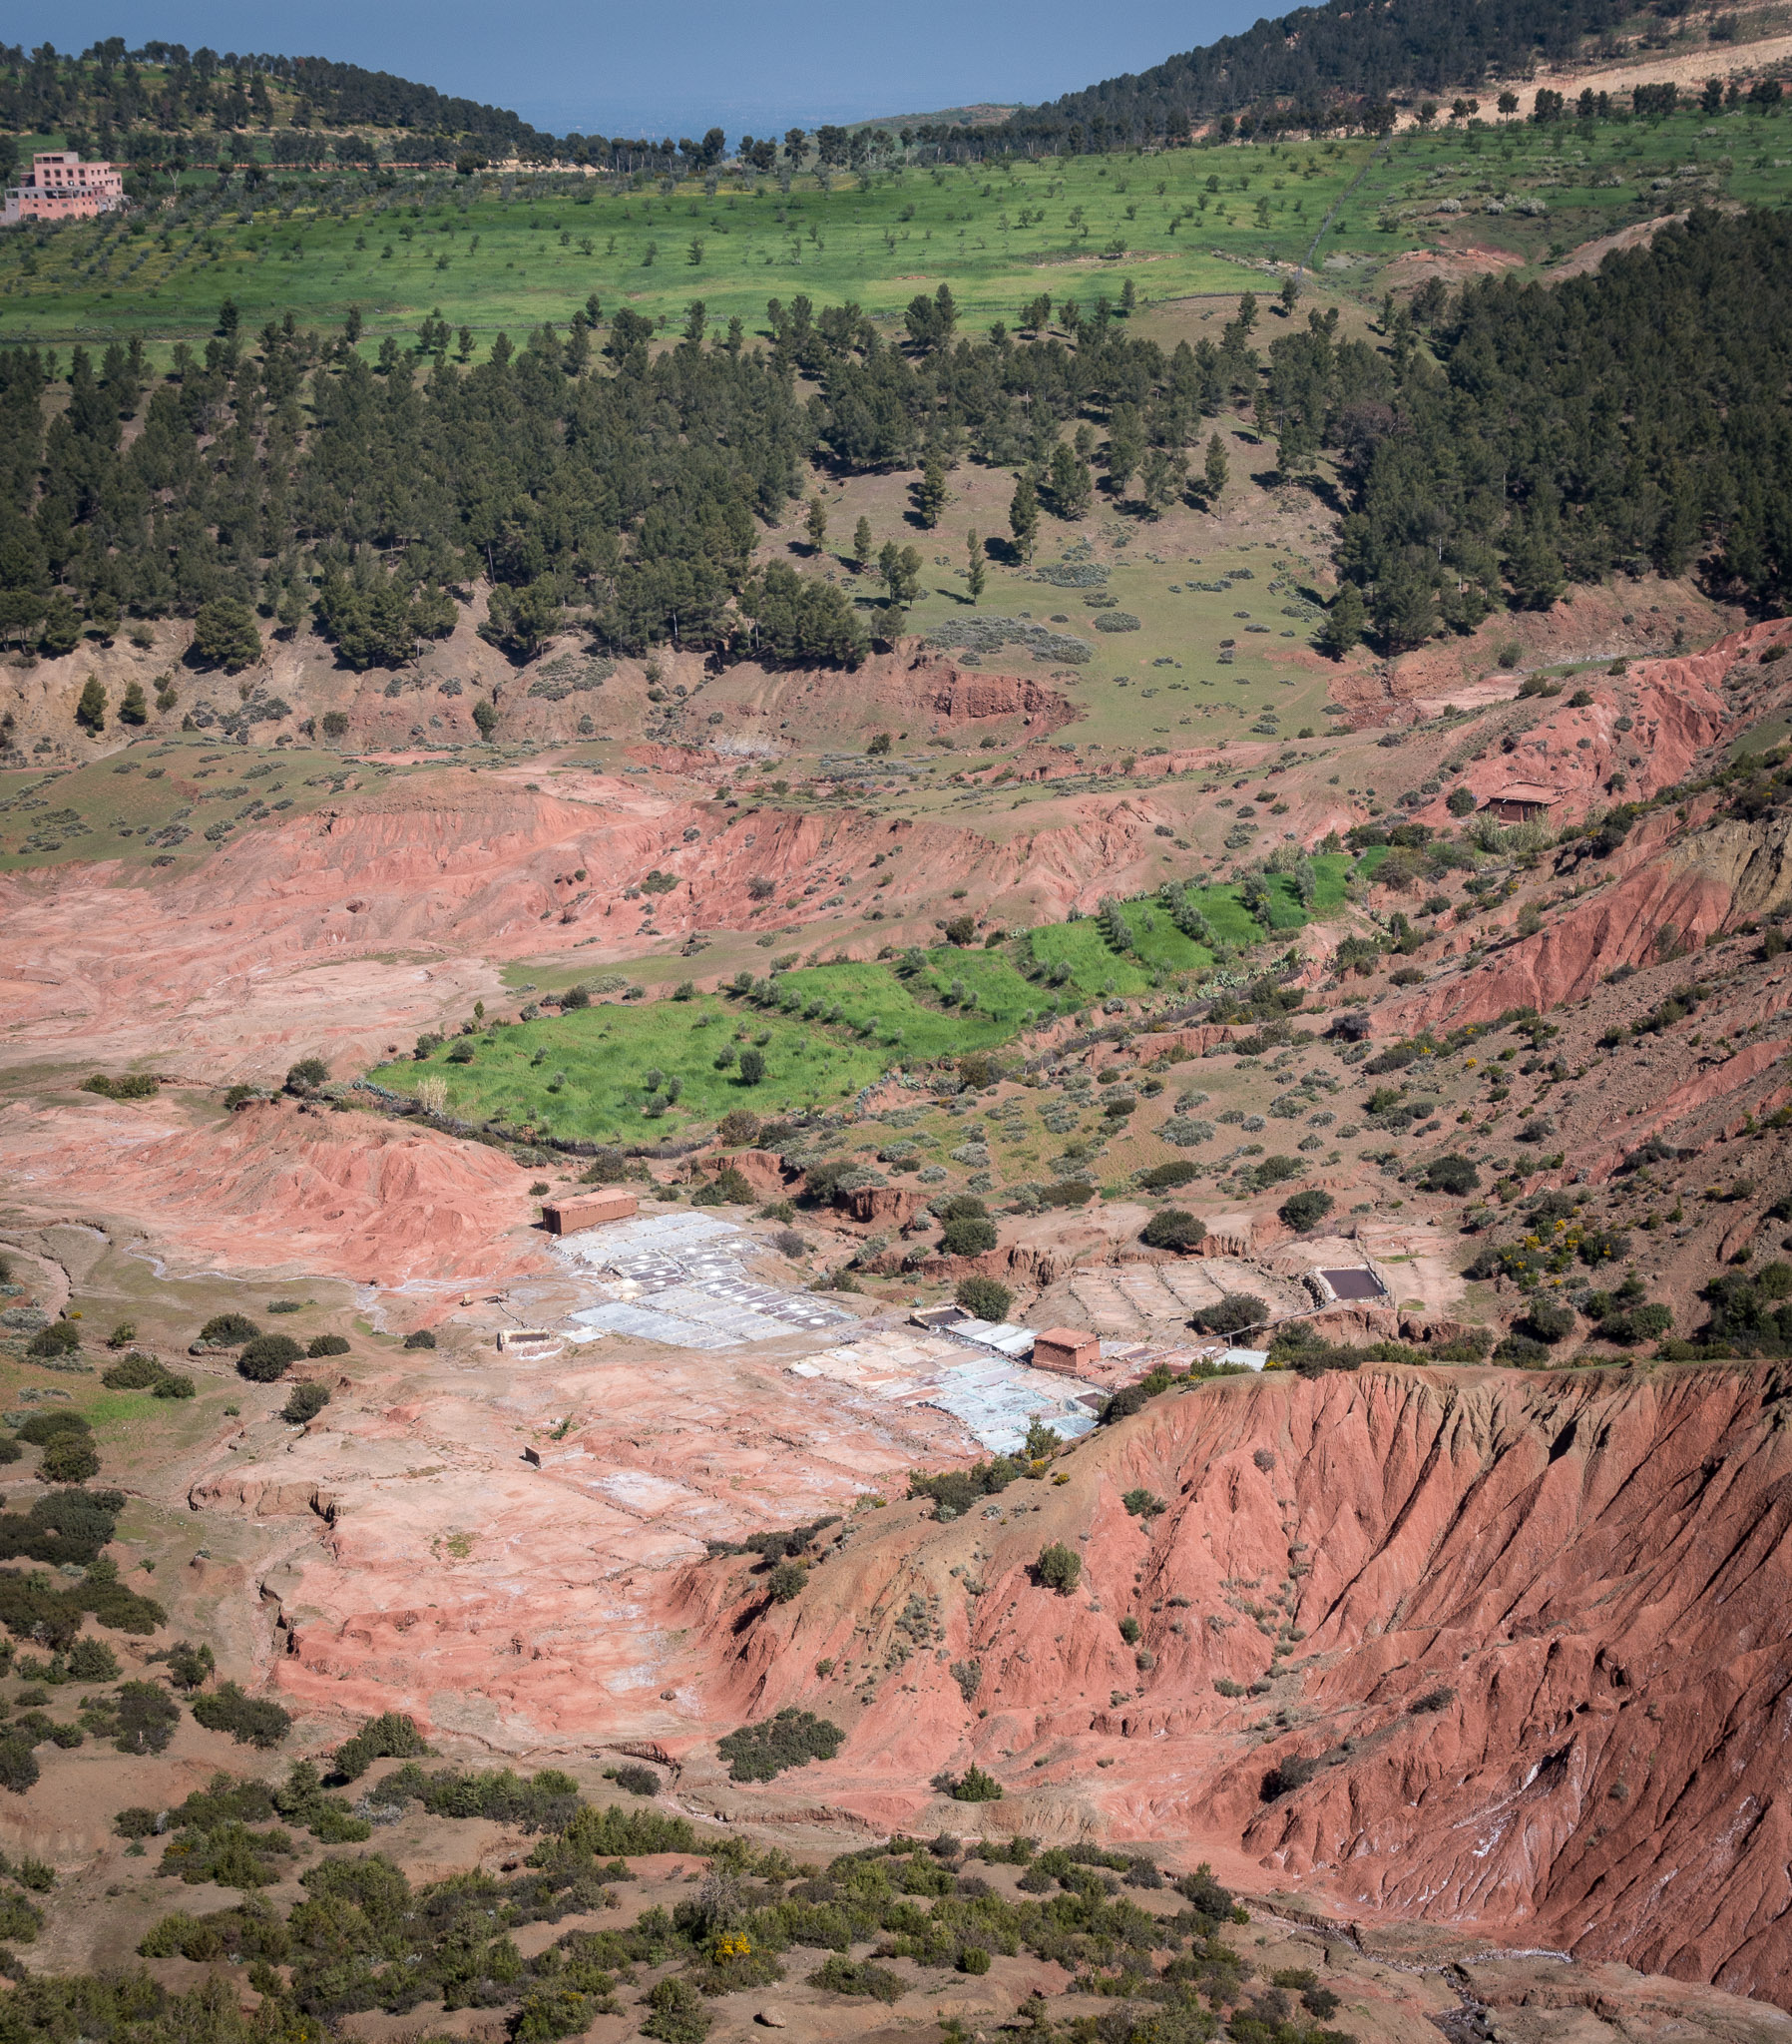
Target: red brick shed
587,1210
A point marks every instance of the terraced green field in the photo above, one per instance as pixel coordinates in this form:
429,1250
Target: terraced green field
507,253
620,1069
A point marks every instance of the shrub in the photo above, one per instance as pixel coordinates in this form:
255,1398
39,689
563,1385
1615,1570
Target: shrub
70,1458
757,1752
638,1781
326,1345
728,1187
1521,1351
984,1298
304,1402
1548,1321
1626,1326
188,1666
1165,1178
93,1660
390,1736
60,1337
1058,1568
135,1823
1453,1173
18,1763
44,1427
973,1785
306,1076
1295,1771
1233,1313
968,1235
786,1582
228,1330
840,1975
974,1959
147,1716
753,1068
250,1721
1301,1211
1175,1228
1143,1504
133,1372
267,1358
420,1338
677,2014
1461,801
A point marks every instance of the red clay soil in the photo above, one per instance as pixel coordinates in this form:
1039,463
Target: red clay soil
1534,1635
276,1187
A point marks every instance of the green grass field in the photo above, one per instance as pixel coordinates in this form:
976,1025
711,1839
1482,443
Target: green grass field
824,1030
1181,223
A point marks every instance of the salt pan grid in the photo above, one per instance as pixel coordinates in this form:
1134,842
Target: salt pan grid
676,1279
993,1398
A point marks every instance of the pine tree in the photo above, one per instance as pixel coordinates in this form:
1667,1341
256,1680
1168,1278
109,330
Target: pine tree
976,574
1022,515
1215,470
930,491
861,545
90,711
817,523
1343,627
1125,447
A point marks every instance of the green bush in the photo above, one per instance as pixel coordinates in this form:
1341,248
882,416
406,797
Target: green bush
1548,1320
1233,1313
70,1458
147,1716
1452,1175
420,1338
638,1781
228,1330
677,2014
44,1427
1173,1227
18,1763
304,1402
1060,1568
59,1339
1302,1211
326,1345
1166,1178
133,1372
973,1958
973,1785
189,1667
250,1721
839,1975
758,1753
984,1298
786,1582
267,1358
20,1920
970,1236
753,1066
390,1736
93,1660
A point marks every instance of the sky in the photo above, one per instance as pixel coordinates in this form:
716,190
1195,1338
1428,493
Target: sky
749,66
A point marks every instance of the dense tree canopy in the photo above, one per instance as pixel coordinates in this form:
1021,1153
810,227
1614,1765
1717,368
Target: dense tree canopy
1628,420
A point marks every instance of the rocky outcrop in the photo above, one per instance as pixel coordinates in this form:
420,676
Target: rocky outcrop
1523,1634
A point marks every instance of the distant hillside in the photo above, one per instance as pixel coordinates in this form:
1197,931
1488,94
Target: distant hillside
1316,66
158,101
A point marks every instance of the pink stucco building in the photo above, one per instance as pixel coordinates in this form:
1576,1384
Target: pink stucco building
59,186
